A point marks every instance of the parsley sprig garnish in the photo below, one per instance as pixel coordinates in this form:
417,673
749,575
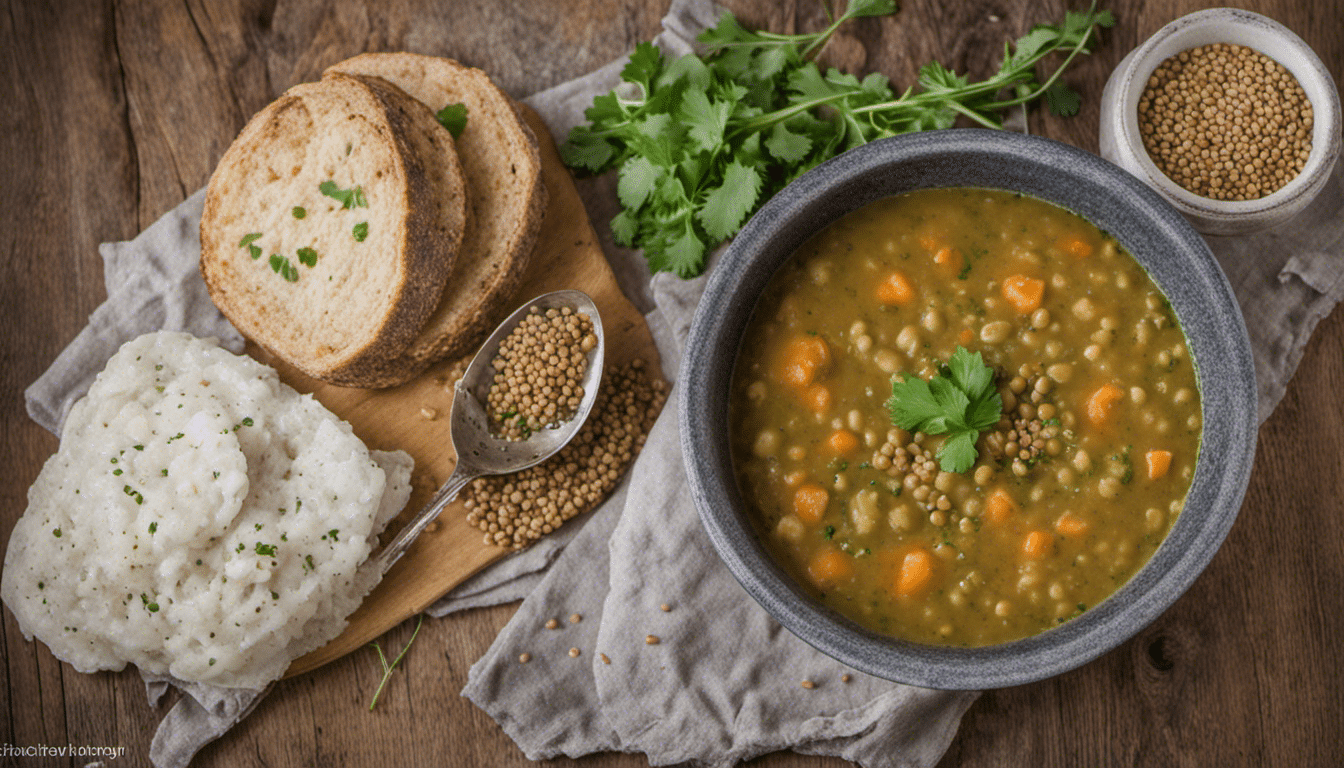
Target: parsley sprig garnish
701,143
959,402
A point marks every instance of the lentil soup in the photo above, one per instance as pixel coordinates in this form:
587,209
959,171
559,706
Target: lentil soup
1070,492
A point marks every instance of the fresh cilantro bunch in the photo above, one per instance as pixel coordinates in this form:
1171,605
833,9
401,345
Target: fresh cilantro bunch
702,142
960,402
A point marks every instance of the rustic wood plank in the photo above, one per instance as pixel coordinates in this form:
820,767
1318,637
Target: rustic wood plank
114,112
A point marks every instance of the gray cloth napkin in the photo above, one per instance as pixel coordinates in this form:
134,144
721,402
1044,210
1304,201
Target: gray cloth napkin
724,682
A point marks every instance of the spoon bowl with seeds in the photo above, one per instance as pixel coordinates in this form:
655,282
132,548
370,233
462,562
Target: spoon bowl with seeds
524,396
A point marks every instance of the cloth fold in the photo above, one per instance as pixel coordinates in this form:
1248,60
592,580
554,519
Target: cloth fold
723,682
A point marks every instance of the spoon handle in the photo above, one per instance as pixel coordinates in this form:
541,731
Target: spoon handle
462,474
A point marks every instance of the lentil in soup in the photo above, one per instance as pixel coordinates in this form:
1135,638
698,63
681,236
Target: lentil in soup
1069,492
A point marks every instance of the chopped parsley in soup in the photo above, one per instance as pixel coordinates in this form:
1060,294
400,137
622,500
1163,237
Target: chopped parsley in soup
963,416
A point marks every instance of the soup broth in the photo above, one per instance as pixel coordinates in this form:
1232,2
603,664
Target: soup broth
1073,488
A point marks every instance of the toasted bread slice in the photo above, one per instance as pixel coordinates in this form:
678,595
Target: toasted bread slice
332,224
502,165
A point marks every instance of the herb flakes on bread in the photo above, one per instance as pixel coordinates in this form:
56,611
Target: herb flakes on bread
332,224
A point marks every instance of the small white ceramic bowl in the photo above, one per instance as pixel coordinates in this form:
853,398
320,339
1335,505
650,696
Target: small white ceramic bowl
1122,145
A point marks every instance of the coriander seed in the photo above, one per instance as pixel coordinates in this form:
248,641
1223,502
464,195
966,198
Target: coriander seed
538,372
1226,122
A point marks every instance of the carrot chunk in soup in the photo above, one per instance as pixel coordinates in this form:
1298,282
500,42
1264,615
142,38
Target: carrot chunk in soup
915,572
803,360
817,398
1159,462
842,442
1071,525
1037,545
830,566
999,506
1024,293
1101,404
809,502
896,289
1075,246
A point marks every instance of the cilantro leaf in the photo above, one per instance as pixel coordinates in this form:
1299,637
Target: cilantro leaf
727,206
454,118
959,402
637,181
958,453
1062,100
786,145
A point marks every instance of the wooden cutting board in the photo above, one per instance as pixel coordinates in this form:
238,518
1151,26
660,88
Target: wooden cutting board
414,417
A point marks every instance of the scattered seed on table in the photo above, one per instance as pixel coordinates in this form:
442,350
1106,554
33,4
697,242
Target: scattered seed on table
552,624
604,658
573,653
845,678
665,607
652,640
575,618
808,684
524,658
429,414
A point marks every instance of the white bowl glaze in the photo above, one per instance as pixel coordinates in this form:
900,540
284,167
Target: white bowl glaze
1122,145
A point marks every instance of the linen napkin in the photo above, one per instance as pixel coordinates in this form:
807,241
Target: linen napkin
723,682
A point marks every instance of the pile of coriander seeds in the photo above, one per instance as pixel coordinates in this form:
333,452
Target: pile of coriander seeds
515,510
538,372
1226,122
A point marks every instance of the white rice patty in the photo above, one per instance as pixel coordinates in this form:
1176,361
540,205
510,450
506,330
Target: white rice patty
261,595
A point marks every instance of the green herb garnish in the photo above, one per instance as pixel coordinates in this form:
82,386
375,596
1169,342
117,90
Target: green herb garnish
360,231
348,198
959,402
387,668
307,257
266,550
246,242
703,142
454,118
299,212
281,266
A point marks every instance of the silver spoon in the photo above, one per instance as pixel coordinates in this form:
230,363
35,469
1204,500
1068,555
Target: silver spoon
478,451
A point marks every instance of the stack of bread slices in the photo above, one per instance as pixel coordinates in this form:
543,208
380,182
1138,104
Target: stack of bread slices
348,232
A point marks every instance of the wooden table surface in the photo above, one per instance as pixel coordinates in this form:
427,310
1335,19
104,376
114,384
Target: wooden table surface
115,112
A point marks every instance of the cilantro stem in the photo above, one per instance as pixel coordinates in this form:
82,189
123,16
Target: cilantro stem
1082,42
387,668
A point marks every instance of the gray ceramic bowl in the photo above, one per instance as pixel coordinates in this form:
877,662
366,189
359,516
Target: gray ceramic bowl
1161,240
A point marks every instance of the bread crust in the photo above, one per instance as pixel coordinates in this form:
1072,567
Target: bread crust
363,301
502,166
